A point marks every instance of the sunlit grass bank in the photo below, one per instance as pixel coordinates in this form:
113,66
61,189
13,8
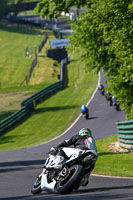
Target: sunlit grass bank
111,163
56,113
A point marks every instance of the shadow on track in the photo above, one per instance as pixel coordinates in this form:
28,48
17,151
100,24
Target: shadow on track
19,165
93,194
102,189
92,118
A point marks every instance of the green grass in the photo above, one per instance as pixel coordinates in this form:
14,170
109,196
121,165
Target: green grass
27,12
110,163
56,113
14,66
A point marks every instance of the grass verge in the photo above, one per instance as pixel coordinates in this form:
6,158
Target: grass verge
110,163
14,66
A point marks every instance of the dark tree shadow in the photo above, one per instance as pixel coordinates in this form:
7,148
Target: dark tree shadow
10,139
103,189
20,165
103,193
54,109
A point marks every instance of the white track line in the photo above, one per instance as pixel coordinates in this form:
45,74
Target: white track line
118,177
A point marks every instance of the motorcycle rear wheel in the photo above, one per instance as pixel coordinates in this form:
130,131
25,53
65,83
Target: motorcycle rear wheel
36,187
72,181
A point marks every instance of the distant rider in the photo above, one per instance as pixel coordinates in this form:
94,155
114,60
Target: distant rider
108,96
84,111
83,140
101,88
115,103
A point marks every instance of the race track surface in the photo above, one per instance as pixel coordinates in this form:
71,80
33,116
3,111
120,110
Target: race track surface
19,168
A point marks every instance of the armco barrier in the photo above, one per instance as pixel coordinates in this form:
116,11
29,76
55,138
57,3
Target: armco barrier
16,117
37,97
125,134
28,105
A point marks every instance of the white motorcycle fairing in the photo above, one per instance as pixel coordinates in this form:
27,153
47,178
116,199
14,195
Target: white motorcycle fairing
58,168
73,153
51,187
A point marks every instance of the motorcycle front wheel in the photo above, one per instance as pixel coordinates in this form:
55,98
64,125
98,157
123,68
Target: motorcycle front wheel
36,187
72,180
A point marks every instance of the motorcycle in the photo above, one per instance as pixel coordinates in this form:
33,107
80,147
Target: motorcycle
63,175
101,89
86,115
117,106
109,99
102,92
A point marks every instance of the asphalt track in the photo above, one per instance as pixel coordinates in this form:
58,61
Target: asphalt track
19,168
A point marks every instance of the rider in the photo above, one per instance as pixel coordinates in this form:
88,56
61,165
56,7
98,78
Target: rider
108,96
115,103
101,88
84,110
83,140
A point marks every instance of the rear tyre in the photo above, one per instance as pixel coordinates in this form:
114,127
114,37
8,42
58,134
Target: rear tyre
87,116
72,180
36,187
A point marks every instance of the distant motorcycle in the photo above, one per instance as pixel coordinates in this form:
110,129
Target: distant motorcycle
108,97
85,111
67,177
116,104
101,89
86,115
102,92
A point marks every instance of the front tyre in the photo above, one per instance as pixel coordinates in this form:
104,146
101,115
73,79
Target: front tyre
36,187
71,181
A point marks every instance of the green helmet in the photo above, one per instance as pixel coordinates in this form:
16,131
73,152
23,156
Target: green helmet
85,131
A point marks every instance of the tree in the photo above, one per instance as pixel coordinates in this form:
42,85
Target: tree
3,7
53,8
105,33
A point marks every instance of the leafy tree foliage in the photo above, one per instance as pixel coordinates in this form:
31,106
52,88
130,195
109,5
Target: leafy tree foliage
53,8
105,33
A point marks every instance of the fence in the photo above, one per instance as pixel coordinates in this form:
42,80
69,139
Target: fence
34,62
28,105
43,43
16,117
33,65
125,134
